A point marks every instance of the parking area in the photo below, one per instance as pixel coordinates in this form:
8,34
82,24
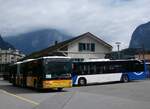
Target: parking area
132,95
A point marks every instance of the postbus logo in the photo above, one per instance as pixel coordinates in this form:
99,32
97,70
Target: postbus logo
138,73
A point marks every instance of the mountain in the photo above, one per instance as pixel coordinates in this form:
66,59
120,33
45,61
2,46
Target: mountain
5,45
36,40
141,37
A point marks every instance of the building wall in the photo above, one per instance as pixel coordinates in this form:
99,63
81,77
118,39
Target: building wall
100,49
10,56
142,56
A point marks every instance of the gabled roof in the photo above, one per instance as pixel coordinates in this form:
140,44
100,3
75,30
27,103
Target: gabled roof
54,48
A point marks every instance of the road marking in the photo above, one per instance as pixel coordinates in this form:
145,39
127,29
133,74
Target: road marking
21,98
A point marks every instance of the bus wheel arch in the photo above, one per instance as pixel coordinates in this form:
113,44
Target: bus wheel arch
82,81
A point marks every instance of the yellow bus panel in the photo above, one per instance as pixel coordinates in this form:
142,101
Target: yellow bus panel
30,81
57,84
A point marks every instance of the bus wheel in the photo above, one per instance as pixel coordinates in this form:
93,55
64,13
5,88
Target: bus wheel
59,89
82,82
125,78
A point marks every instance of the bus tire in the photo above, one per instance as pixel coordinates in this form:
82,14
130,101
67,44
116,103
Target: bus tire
125,78
59,89
82,82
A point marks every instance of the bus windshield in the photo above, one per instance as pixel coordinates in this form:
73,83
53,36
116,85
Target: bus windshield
56,69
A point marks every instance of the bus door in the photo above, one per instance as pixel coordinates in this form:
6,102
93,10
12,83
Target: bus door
17,78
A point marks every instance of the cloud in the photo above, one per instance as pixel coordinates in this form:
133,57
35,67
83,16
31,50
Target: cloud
111,20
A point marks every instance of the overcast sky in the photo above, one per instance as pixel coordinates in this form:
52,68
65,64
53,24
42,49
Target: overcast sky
111,20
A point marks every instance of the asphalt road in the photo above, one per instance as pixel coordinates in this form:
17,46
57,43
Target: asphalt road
133,95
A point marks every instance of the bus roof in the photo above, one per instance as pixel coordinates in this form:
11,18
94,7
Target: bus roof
96,60
108,60
28,60
55,57
46,57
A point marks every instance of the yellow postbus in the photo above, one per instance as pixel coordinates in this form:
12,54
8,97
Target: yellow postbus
51,72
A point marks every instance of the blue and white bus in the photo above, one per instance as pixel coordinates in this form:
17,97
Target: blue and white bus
100,71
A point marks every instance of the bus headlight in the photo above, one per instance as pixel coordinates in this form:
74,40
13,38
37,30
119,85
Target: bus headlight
48,76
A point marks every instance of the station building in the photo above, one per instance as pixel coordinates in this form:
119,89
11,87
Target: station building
82,47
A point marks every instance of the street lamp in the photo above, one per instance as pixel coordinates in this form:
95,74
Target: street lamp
118,47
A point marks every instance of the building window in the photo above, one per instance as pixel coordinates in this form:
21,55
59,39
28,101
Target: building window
87,47
92,47
77,59
81,46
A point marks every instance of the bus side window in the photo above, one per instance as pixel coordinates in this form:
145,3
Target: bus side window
91,69
79,70
139,67
85,70
104,69
82,69
95,72
74,67
97,69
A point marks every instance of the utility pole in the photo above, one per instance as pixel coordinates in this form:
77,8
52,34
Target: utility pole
118,47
